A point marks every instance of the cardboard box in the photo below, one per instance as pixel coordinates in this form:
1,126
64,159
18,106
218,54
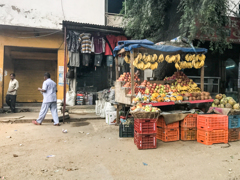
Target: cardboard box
111,117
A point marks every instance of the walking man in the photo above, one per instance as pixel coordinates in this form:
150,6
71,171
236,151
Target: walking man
12,92
48,90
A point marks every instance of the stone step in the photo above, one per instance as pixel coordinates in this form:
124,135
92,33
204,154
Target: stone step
18,104
81,111
23,109
85,109
81,107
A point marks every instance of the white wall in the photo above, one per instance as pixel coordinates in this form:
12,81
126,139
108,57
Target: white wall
234,7
48,13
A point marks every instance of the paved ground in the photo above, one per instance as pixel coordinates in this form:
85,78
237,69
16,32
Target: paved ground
93,150
26,117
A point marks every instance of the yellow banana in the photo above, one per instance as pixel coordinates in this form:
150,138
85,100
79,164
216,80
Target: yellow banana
177,66
155,57
167,58
177,58
187,57
161,58
201,57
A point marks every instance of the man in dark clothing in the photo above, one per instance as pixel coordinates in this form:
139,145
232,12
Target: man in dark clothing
12,92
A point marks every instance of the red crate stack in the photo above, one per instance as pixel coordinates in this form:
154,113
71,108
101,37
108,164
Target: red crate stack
145,141
167,133
145,133
212,129
189,128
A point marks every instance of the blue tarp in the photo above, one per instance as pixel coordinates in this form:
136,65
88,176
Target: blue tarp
132,44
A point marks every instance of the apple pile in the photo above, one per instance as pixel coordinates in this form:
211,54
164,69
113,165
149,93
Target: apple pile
176,76
155,88
126,77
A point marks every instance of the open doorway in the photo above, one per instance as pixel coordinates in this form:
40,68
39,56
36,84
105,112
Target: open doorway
29,65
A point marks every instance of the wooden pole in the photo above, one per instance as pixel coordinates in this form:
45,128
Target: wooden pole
132,72
64,74
202,78
116,67
238,79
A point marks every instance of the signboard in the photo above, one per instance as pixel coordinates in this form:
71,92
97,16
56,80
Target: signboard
232,30
60,75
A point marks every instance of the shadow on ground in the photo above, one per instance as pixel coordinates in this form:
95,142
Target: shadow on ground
78,124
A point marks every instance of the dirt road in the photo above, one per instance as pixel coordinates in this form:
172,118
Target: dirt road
98,153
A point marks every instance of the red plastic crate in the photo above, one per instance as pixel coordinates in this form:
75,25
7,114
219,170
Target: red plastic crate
168,134
161,123
145,126
212,122
145,141
212,137
233,134
189,121
188,134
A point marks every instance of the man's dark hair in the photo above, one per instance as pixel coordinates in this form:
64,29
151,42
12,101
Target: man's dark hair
47,75
12,74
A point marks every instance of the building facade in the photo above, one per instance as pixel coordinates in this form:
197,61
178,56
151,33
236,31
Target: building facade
32,41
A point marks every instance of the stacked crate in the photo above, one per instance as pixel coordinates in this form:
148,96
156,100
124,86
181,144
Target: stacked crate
233,127
212,129
189,128
145,133
167,133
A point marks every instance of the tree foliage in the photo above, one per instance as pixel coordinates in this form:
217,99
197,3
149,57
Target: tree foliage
198,19
144,18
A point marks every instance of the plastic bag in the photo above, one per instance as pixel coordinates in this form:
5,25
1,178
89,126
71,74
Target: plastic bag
70,98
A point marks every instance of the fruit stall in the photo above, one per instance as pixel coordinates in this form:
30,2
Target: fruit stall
148,123
143,54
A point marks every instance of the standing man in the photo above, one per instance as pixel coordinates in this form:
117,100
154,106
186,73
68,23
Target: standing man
48,90
12,92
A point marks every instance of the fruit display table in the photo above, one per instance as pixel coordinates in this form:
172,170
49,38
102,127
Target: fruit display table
143,54
183,102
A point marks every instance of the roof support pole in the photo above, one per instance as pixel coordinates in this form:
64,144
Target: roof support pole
64,74
116,67
202,78
132,72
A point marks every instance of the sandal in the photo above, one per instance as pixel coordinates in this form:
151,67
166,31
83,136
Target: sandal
57,124
36,123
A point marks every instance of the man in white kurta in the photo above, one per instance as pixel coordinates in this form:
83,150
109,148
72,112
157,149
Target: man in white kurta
48,90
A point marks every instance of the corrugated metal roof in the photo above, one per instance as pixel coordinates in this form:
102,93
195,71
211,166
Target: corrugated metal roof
92,27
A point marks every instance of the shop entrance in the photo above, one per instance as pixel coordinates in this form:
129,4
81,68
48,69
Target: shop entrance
29,65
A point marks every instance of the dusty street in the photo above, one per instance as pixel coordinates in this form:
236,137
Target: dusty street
99,153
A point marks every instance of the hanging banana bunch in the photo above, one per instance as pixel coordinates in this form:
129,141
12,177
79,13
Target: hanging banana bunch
189,57
177,66
170,58
148,65
154,66
127,60
177,58
154,58
201,57
160,58
149,58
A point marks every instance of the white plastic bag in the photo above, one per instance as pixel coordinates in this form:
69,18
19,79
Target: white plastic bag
109,107
70,98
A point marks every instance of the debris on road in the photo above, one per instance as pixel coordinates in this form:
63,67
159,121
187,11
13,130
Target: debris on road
50,156
64,130
145,164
